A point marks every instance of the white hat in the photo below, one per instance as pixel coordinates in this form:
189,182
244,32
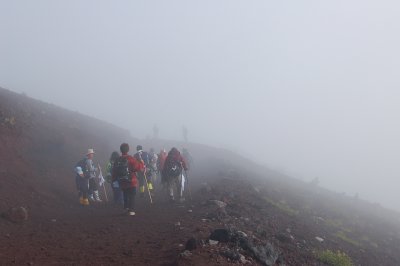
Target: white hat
90,151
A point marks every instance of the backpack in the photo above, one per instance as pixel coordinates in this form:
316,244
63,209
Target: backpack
143,156
83,165
121,168
174,168
153,161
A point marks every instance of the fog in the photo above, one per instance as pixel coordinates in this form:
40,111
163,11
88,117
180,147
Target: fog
309,88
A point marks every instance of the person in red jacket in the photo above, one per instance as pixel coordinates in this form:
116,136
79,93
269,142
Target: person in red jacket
124,172
172,173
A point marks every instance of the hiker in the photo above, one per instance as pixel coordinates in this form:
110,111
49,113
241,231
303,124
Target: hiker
160,163
117,192
123,171
188,158
152,175
93,180
85,170
143,175
172,173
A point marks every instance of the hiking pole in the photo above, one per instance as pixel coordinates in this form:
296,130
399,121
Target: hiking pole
147,184
104,187
187,181
105,192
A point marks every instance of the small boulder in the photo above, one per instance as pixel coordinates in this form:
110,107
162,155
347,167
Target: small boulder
213,242
282,237
191,244
16,215
221,235
241,234
266,254
185,254
242,259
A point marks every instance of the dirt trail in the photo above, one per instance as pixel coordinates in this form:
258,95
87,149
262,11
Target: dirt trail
101,234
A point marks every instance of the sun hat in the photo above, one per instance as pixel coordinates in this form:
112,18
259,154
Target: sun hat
90,151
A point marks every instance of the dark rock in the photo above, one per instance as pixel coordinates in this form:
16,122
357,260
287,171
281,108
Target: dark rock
283,238
191,244
221,235
266,254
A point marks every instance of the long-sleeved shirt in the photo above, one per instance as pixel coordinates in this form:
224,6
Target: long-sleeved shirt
134,166
91,168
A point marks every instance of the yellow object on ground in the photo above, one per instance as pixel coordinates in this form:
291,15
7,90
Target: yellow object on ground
85,202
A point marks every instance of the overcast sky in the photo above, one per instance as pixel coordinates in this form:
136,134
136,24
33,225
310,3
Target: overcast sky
307,87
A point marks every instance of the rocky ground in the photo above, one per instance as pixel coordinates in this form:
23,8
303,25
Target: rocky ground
238,213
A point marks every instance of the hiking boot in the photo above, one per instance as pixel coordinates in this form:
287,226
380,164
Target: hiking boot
131,213
171,199
81,200
96,196
91,198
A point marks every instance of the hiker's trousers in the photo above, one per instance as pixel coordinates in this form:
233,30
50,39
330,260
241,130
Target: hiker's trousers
83,186
129,198
175,183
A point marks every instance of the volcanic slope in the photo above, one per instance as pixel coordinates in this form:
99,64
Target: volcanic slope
258,209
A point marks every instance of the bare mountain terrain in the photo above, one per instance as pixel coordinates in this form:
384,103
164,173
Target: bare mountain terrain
238,212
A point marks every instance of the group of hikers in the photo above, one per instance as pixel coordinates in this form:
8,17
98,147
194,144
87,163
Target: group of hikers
126,173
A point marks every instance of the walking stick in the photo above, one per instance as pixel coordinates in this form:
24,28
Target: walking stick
104,187
147,184
105,192
145,178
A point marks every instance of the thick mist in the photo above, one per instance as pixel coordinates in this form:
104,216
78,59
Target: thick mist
310,88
